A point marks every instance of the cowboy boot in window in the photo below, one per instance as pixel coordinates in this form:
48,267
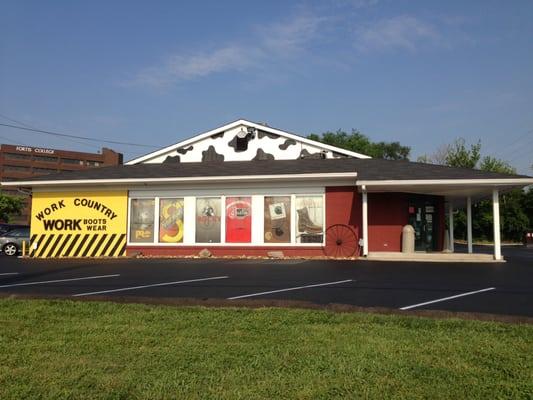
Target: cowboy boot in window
304,222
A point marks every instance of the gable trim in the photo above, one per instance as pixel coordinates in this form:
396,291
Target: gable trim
234,124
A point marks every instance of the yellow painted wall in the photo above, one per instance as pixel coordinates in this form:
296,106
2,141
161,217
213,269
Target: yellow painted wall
79,224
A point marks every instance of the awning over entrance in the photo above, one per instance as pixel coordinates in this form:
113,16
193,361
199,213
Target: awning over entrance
458,193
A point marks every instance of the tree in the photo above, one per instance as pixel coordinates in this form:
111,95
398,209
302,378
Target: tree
527,206
439,157
513,212
356,141
10,205
496,165
459,156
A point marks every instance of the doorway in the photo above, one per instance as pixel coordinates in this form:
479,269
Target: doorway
424,217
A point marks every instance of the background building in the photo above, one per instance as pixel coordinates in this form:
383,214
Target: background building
21,162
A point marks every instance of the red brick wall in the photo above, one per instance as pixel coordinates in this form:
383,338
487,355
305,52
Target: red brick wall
226,251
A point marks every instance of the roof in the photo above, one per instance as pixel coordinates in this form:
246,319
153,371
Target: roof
368,171
262,127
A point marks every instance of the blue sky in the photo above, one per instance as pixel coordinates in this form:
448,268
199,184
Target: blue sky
155,72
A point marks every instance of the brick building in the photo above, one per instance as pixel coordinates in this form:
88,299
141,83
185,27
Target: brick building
22,162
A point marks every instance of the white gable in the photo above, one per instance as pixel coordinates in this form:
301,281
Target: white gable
244,141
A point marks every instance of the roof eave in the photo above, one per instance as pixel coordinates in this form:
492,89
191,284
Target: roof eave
455,182
351,176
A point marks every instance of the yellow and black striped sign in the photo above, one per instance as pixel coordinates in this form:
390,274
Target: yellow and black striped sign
78,245
78,224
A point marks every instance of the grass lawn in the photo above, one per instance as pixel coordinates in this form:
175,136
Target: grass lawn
66,349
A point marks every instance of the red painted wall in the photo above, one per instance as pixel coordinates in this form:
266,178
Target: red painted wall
387,215
343,206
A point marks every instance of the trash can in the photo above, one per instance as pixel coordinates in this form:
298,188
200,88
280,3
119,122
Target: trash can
408,239
528,239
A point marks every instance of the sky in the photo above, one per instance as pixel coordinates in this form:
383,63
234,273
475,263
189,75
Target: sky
155,72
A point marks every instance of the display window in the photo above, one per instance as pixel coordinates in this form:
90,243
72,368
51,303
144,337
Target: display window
142,220
277,219
238,219
171,220
208,219
309,219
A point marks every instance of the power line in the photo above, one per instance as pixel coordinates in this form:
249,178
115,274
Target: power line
77,137
509,146
33,127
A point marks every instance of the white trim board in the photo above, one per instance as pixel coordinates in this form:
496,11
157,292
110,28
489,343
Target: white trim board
235,124
439,182
188,180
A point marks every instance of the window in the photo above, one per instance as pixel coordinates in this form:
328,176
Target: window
277,214
93,163
71,161
238,219
309,219
142,220
208,220
22,232
45,159
16,168
43,170
16,156
171,220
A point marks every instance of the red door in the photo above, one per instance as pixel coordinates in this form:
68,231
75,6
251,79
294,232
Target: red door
238,219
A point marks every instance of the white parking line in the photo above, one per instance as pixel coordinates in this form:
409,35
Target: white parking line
289,289
8,273
59,280
147,286
446,298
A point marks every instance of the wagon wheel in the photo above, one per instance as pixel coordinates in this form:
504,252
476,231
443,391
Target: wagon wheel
341,241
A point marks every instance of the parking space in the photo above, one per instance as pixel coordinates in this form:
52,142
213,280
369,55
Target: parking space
501,288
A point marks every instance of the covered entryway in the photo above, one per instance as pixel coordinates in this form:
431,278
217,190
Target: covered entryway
427,202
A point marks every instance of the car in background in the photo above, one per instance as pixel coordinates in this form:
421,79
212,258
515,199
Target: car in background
4,228
11,241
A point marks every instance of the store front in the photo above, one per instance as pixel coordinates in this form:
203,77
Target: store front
246,189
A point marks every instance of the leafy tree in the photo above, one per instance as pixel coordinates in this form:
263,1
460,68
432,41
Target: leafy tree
527,206
515,216
10,205
459,156
356,141
493,164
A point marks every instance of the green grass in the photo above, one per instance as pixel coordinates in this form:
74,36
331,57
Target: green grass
65,349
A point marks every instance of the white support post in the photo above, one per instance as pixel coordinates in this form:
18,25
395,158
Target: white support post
365,223
496,224
469,223
450,219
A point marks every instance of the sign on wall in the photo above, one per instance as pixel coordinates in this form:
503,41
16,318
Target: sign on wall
171,220
277,219
78,224
208,220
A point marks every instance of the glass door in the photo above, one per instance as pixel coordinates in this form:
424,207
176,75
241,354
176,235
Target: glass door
423,217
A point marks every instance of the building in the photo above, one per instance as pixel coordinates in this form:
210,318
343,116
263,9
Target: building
249,189
23,162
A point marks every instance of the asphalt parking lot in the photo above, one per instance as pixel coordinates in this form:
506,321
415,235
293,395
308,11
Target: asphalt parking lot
495,288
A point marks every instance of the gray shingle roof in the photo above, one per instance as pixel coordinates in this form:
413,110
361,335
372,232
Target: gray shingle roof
367,169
